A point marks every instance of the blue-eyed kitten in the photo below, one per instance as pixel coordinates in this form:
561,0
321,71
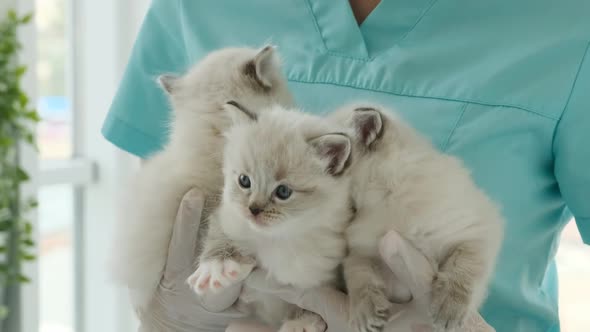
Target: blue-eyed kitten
285,207
401,182
191,158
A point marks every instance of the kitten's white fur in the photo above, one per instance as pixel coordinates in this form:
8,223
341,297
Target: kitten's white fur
192,158
401,182
302,241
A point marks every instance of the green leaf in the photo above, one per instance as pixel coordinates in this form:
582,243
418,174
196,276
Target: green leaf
5,225
32,115
20,71
6,141
28,228
16,119
21,175
12,15
27,257
30,138
27,18
23,279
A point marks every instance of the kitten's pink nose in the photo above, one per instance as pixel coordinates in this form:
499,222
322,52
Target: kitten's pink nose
255,210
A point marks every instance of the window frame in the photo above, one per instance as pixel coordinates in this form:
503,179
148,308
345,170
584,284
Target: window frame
91,88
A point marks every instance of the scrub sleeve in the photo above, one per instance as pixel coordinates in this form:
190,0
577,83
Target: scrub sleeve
572,151
139,113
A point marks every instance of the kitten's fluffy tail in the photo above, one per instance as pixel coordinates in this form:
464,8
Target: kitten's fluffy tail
147,214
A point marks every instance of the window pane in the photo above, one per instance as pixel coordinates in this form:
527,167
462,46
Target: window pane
56,203
54,131
573,265
56,261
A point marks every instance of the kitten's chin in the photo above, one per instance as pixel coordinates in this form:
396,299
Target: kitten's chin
261,225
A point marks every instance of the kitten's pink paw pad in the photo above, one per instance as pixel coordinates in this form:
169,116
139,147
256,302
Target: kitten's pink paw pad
215,275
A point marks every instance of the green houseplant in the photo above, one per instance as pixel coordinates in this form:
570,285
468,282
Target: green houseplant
16,121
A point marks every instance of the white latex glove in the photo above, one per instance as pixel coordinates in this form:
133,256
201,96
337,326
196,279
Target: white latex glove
332,305
175,306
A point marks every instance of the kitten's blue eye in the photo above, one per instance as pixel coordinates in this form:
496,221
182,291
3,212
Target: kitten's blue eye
244,181
283,192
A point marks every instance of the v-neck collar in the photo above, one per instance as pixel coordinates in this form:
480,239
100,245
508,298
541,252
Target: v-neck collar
391,21
338,28
388,23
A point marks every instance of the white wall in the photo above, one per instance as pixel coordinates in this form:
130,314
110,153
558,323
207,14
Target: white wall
105,34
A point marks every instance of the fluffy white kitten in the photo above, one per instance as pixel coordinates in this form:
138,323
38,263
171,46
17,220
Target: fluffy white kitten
192,157
401,182
285,207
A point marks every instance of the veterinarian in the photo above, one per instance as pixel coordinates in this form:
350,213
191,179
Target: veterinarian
503,85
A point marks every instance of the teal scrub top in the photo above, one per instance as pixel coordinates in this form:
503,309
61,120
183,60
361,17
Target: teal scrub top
504,85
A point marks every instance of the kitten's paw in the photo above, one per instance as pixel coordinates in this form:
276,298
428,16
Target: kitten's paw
215,275
370,311
304,324
450,303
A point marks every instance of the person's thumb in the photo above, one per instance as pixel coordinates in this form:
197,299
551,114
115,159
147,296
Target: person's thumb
183,243
413,269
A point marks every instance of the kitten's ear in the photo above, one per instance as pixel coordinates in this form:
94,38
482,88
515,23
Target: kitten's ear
168,82
335,150
264,66
238,113
368,124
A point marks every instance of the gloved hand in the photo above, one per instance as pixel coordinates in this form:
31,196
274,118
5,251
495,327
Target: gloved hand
175,306
411,268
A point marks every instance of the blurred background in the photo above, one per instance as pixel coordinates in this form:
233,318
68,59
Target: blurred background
73,296
76,52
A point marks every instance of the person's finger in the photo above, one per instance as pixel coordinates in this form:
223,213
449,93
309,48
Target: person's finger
409,265
179,310
218,302
183,243
182,252
413,269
